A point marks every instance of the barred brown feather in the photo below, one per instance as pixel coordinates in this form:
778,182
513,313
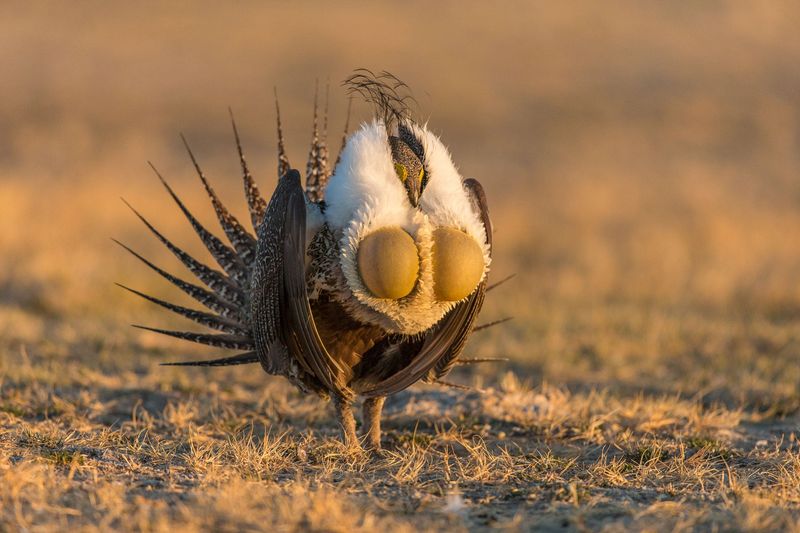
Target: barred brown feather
213,279
207,298
317,171
240,238
205,319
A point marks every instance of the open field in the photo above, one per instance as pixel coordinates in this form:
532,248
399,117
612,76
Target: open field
642,162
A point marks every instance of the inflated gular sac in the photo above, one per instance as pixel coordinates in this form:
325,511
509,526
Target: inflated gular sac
388,263
457,264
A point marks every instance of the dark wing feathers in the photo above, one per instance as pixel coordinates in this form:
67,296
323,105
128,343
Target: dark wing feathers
285,339
443,366
265,287
443,343
302,337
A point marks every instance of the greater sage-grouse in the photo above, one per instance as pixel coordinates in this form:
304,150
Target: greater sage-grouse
363,283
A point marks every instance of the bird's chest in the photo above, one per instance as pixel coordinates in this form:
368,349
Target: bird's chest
345,338
323,272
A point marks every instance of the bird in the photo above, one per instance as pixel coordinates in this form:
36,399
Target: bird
362,283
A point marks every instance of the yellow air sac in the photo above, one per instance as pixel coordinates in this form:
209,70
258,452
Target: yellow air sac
457,264
388,263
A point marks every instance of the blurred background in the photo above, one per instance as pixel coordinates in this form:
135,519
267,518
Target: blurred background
642,161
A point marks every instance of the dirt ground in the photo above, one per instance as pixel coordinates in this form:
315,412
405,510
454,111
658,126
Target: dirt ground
642,164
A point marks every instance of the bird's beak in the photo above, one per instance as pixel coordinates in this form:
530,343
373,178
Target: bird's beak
414,190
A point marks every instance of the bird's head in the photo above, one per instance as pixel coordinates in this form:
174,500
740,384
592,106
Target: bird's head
392,101
407,157
411,240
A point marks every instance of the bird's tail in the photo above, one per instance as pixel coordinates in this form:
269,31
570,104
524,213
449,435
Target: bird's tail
225,291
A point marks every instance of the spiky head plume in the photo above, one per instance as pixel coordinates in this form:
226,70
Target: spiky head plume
391,97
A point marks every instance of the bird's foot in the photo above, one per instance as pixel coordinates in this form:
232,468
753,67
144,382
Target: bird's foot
372,444
372,423
378,454
344,414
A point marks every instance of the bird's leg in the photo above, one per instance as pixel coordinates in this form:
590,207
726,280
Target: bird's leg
344,414
371,411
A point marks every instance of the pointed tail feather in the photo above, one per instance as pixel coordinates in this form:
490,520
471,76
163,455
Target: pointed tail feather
242,241
492,324
457,386
255,202
478,360
240,359
328,170
344,135
325,113
217,322
207,298
283,161
498,283
317,166
223,255
222,340
214,279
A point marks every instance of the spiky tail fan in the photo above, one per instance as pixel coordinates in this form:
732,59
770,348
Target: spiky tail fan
226,291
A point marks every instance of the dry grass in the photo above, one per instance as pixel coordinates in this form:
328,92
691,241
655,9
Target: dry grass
642,165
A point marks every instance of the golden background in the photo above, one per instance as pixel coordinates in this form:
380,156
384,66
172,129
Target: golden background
642,164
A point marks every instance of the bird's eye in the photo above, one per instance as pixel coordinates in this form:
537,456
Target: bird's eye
402,172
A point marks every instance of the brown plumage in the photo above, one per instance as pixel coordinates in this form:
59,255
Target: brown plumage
286,304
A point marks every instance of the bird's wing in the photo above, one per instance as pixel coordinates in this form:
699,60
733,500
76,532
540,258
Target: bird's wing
266,285
299,329
446,364
284,331
445,342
